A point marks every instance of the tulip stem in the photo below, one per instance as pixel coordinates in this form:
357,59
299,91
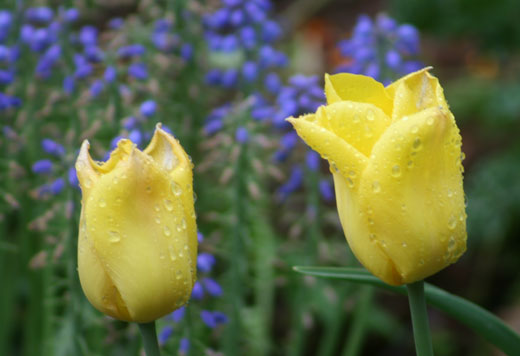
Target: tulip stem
151,346
421,327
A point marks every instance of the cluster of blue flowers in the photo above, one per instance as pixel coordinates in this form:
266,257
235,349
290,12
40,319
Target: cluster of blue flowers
240,36
55,170
205,286
167,41
381,49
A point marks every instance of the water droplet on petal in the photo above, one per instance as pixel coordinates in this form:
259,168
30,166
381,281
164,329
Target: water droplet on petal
102,203
430,120
417,144
148,189
350,182
88,183
452,222
396,171
404,244
157,208
415,129
176,189
376,187
168,204
171,250
166,231
113,236
372,237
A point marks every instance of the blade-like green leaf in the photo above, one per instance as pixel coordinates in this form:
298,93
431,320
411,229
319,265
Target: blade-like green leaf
470,314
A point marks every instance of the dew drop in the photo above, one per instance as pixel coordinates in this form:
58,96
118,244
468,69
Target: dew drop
352,174
376,187
372,237
409,164
176,189
452,222
417,144
194,196
102,203
166,231
451,244
115,181
350,182
88,183
430,120
171,250
356,119
450,193
370,115
148,189
415,129
334,168
396,171
178,275
370,221
183,224
113,236
157,208
157,220
404,244
168,204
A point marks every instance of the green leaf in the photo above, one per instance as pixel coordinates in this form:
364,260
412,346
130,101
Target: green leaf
470,314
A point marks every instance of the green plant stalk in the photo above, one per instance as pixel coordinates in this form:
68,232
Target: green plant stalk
151,346
237,260
421,327
358,329
312,198
470,314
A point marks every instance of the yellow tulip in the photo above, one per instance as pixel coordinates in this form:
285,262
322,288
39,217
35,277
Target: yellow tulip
395,156
137,247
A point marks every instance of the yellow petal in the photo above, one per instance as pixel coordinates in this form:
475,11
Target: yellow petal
415,92
168,153
359,124
342,156
359,88
358,235
411,196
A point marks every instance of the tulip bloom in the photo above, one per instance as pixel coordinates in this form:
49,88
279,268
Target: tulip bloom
395,155
137,249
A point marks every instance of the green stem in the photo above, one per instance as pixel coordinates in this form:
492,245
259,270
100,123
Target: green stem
421,328
151,346
358,328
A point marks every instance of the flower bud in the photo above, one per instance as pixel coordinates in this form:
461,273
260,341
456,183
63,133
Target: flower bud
137,249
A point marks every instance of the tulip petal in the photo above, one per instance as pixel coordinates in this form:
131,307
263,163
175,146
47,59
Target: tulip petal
358,235
359,88
342,156
359,124
98,286
412,195
139,237
169,154
415,92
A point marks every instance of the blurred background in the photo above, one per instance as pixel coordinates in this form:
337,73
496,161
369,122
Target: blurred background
222,76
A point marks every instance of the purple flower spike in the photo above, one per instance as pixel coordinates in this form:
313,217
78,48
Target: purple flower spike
165,334
205,262
148,108
52,148
43,166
